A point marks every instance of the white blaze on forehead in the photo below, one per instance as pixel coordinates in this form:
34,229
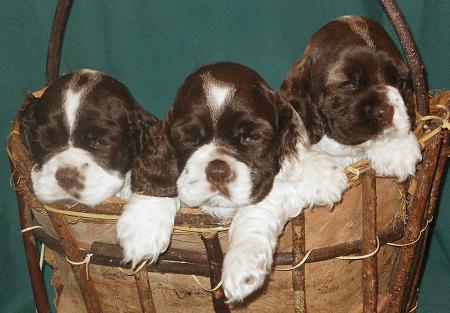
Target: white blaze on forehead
359,26
71,105
74,94
217,93
89,71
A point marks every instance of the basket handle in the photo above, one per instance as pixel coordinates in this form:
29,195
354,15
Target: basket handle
412,55
56,37
390,6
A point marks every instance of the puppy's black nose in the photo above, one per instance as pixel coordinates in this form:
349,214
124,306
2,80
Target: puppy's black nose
218,172
69,178
384,114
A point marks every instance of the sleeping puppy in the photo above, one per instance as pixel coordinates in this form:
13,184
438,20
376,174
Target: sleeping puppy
242,152
353,91
90,140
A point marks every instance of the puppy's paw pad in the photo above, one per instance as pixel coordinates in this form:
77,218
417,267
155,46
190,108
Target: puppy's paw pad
243,274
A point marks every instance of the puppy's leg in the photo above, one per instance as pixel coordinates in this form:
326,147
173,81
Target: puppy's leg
315,179
221,212
125,192
320,179
145,227
253,236
397,157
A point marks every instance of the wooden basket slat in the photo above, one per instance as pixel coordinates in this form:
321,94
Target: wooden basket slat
215,261
415,216
369,237
421,251
298,253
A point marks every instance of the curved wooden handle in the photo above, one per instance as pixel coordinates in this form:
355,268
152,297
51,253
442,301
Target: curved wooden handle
56,37
412,55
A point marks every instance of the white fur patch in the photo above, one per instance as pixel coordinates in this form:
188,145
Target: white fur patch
195,190
145,227
71,105
344,154
397,156
222,212
315,179
125,192
73,98
98,184
89,71
217,92
217,95
400,120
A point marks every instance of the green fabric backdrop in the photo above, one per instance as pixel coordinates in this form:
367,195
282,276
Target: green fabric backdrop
152,45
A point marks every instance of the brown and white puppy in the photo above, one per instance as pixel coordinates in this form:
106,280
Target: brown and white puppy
242,152
91,140
353,91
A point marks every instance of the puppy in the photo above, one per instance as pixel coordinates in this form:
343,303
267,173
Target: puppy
242,151
91,140
352,89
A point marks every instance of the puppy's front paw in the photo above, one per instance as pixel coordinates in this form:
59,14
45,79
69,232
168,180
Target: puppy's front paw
397,157
244,271
219,211
125,192
145,227
323,179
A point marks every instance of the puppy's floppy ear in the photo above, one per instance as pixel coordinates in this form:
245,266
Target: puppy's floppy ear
290,127
25,115
154,171
298,91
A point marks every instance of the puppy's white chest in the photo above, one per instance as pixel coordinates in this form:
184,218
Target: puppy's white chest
344,154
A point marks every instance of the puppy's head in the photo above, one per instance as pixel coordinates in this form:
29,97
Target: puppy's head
230,134
83,135
351,84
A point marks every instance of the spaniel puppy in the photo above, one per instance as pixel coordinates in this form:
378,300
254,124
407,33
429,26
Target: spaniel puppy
353,91
243,152
91,140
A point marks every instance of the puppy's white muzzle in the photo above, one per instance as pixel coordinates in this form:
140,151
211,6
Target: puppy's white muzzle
93,183
198,185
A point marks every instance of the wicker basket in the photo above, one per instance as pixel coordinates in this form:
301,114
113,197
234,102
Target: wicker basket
373,212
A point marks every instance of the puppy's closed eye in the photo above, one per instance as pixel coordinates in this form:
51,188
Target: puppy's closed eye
92,142
399,83
249,132
189,136
353,81
96,139
47,138
194,137
348,85
245,136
